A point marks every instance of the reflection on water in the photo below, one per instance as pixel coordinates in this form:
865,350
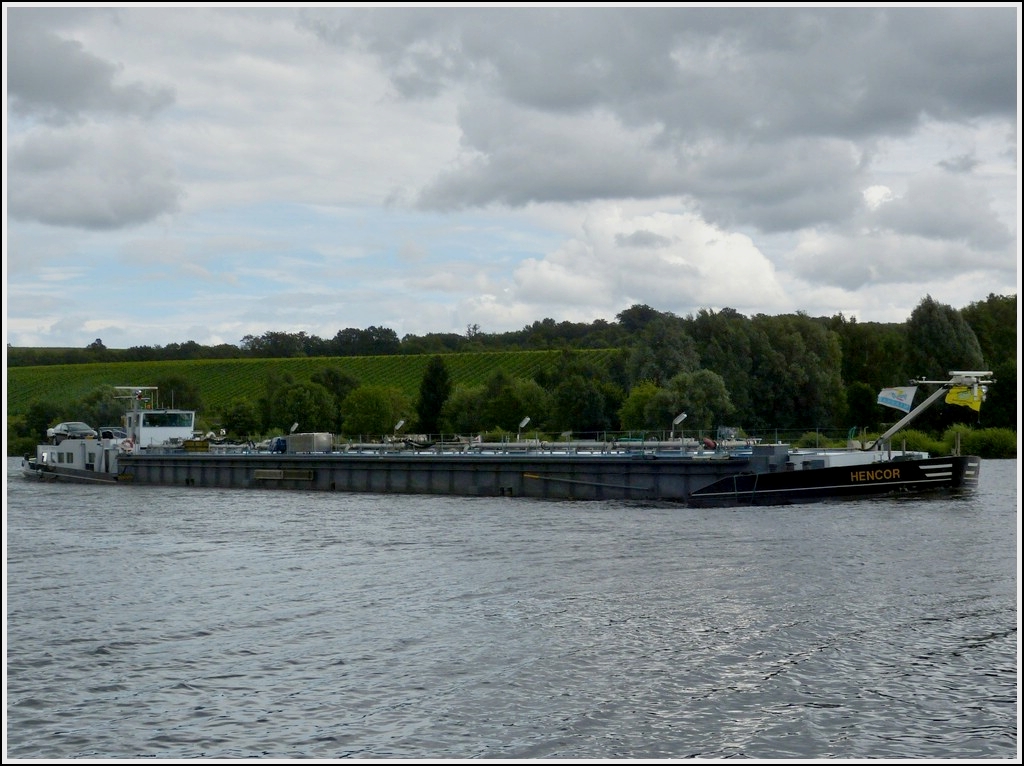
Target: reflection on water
185,623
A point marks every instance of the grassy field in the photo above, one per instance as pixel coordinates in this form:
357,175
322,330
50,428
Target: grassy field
221,381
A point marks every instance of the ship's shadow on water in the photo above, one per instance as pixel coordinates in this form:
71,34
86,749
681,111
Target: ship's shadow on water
186,623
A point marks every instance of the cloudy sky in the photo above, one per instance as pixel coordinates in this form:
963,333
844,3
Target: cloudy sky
186,173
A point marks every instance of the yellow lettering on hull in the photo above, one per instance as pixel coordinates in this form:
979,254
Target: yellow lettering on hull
876,474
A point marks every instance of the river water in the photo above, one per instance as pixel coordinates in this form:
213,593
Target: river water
183,623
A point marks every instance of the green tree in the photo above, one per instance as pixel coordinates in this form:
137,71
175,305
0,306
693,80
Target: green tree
177,392
463,411
100,407
999,410
507,400
18,443
702,395
241,419
798,371
310,405
275,345
633,413
582,404
375,410
873,353
663,349
634,319
270,402
994,321
500,408
340,385
724,342
862,406
40,416
940,340
435,388
533,400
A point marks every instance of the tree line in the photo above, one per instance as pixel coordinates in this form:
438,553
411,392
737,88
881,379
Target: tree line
372,341
993,322
787,372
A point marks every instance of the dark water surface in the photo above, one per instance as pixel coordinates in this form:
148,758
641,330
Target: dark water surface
193,623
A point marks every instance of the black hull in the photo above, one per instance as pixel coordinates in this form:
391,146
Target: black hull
719,482
55,474
897,477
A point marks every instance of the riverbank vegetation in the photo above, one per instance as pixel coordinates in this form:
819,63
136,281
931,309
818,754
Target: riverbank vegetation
760,378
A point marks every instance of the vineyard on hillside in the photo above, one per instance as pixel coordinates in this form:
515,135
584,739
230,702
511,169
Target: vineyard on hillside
221,381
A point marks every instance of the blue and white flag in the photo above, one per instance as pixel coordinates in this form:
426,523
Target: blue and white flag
898,398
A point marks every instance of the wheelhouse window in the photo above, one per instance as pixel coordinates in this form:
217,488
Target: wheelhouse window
167,419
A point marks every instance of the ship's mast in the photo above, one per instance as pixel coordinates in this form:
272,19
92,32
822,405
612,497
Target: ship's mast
138,396
970,378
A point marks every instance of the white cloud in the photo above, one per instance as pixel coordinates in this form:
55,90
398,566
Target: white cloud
877,195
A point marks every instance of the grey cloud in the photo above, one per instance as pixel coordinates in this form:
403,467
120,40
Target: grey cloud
739,71
524,158
517,157
965,163
642,239
945,207
887,259
781,187
850,273
517,176
746,106
419,47
57,80
93,179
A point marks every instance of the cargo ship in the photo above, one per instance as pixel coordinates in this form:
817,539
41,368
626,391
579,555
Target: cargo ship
161,447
